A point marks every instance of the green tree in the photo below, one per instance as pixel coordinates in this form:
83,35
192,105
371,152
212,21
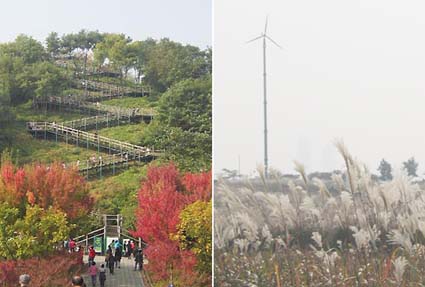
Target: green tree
141,50
38,232
184,127
411,166
190,151
385,170
188,105
169,62
15,85
51,79
5,99
113,47
54,44
229,173
83,42
27,48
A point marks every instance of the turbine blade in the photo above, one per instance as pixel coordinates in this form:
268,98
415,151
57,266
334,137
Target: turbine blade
271,40
265,26
256,38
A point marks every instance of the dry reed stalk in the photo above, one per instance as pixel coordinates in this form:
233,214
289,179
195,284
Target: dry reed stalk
300,168
276,268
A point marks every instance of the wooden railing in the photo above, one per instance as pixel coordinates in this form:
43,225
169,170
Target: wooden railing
97,121
108,89
104,231
76,102
131,151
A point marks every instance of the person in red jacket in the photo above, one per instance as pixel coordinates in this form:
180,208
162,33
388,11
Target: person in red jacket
72,245
92,254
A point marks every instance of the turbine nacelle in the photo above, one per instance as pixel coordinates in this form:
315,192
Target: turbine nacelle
265,36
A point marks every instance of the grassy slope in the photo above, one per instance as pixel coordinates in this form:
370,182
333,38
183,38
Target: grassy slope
129,133
118,194
130,102
26,149
25,113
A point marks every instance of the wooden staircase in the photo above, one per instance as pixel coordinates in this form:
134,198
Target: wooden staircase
112,227
76,103
109,91
79,137
119,153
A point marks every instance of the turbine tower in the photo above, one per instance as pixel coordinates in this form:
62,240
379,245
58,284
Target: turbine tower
265,37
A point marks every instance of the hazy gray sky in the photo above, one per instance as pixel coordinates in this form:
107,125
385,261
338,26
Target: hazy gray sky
186,21
351,69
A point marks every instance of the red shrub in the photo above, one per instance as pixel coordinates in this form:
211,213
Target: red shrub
55,270
45,186
8,274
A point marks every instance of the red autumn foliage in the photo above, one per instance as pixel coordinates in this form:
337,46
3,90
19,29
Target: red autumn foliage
55,270
198,186
164,194
45,186
8,274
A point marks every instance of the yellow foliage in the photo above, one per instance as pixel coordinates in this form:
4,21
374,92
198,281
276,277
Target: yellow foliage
195,232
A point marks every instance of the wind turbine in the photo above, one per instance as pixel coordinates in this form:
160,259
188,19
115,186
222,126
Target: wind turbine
265,37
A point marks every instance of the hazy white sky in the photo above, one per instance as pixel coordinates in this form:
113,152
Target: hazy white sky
186,21
351,69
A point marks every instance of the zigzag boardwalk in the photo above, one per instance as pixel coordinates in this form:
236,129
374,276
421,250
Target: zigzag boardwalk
75,103
108,90
119,153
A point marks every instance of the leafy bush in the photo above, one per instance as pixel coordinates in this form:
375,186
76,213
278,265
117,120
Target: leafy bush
51,271
46,186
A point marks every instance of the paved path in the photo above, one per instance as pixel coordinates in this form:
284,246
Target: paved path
122,277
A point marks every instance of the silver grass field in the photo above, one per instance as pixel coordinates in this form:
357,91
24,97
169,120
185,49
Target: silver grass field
350,230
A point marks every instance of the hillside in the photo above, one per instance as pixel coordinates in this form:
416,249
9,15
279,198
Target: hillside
61,102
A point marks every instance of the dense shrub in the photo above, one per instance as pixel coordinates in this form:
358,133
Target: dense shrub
51,271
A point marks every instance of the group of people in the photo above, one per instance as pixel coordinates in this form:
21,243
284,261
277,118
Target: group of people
112,260
94,271
70,245
131,250
95,161
76,281
116,251
113,257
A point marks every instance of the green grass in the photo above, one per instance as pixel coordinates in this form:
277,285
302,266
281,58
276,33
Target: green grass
25,113
115,81
132,133
130,102
129,180
80,92
27,149
118,194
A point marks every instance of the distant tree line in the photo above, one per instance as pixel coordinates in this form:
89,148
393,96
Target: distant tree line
385,169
